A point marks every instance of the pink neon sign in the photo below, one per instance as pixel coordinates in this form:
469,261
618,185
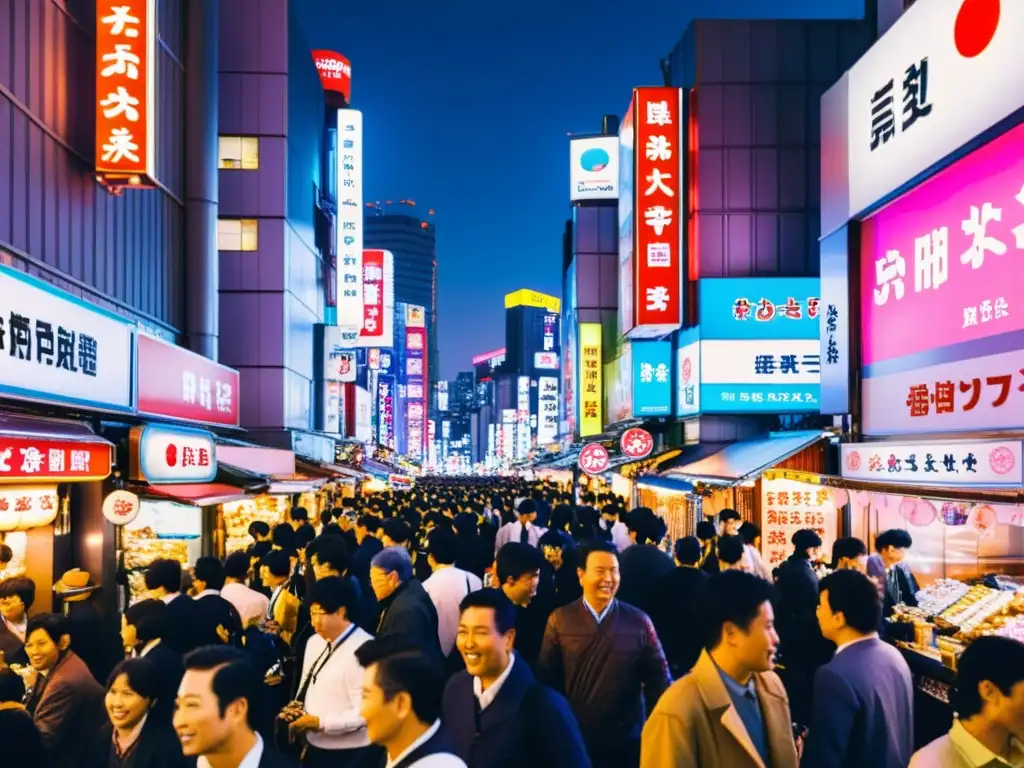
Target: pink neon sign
944,264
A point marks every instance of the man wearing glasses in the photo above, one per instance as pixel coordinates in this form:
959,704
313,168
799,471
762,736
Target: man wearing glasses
325,712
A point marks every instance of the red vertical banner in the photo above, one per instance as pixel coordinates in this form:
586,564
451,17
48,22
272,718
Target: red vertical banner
373,294
125,90
658,221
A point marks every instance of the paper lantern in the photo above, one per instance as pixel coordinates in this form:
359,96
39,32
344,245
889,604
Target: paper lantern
983,519
924,513
907,507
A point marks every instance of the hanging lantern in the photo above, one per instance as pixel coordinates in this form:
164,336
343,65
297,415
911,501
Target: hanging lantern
983,519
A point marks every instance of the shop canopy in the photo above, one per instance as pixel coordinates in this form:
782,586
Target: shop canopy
230,484
276,464
734,463
378,469
326,470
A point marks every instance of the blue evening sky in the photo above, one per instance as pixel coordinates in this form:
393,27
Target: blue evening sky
467,107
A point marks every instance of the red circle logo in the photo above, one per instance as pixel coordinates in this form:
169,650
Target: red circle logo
172,455
1001,460
593,459
976,25
687,370
636,443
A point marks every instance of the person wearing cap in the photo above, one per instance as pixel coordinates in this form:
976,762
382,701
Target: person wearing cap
93,639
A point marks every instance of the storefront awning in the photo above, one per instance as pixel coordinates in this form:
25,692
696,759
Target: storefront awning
315,469
49,429
738,462
951,492
378,469
198,494
42,450
281,486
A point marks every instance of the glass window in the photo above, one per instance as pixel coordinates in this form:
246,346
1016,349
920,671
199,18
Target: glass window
238,153
237,234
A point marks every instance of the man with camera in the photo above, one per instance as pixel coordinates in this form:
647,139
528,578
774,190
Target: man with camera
325,712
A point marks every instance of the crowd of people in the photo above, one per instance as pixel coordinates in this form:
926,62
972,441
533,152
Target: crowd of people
498,624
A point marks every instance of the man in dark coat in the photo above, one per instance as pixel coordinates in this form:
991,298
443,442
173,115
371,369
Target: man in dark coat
163,580
219,621
369,546
495,712
863,710
675,614
606,658
406,609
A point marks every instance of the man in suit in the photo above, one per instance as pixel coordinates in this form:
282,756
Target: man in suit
863,713
524,530
406,609
217,712
896,583
66,702
16,596
675,614
163,580
283,610
731,710
219,620
496,713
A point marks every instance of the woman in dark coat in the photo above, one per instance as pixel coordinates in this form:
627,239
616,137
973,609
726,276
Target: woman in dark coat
137,734
22,744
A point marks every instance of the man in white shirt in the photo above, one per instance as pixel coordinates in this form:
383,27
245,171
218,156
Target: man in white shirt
214,718
524,530
448,585
989,701
251,605
402,690
326,709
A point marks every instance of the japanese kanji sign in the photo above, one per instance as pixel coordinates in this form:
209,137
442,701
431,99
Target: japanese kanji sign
986,463
335,72
636,443
906,100
591,388
51,460
652,378
788,506
688,374
121,507
386,411
593,459
349,224
373,297
768,376
162,455
176,383
57,348
27,506
834,322
658,162
125,90
759,308
547,409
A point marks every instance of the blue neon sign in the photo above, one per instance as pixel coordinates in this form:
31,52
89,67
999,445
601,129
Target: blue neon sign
652,378
759,307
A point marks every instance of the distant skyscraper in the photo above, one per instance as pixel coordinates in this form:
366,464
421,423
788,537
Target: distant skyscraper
413,244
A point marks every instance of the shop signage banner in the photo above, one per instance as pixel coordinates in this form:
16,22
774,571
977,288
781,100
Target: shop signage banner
593,459
415,316
121,507
942,299
126,90
594,168
591,417
57,348
335,72
759,307
652,378
179,384
49,460
922,91
545,361
788,506
618,375
339,364
657,191
522,417
26,507
349,224
834,317
769,375
386,411
984,463
547,409
416,383
688,374
378,300
163,455
636,443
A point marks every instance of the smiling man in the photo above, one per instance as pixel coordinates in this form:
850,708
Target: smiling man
496,713
605,657
215,718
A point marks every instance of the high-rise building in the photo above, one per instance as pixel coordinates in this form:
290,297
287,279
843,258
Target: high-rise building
413,242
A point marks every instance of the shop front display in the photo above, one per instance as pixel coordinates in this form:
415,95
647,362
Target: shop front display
239,515
161,530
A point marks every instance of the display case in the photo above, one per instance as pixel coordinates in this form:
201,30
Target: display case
238,515
163,529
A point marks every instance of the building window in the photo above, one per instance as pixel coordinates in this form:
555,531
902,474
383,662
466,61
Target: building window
238,153
237,234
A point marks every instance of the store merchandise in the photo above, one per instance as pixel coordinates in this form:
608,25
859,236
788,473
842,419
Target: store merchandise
163,529
238,515
939,596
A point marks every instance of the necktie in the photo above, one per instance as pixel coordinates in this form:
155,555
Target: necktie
897,596
524,535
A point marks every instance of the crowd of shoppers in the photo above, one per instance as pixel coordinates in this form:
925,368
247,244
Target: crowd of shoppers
498,624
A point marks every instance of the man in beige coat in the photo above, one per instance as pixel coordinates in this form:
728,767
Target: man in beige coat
731,710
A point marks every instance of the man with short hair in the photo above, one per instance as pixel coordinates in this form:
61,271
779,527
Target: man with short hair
989,702
518,569
849,553
447,585
731,521
216,712
219,621
402,692
496,713
283,610
896,583
16,596
326,707
863,698
367,546
163,580
406,608
731,710
523,530
604,655
675,614
250,604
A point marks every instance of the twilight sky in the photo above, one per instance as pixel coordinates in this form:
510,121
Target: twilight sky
466,109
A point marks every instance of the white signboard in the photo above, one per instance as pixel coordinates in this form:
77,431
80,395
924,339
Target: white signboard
339,363
547,406
594,168
788,506
986,463
349,226
57,348
944,73
364,426
545,361
688,380
176,455
761,361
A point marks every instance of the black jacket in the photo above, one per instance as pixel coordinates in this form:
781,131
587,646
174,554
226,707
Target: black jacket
184,625
214,611
675,617
361,560
158,747
410,613
526,726
642,567
170,669
22,744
